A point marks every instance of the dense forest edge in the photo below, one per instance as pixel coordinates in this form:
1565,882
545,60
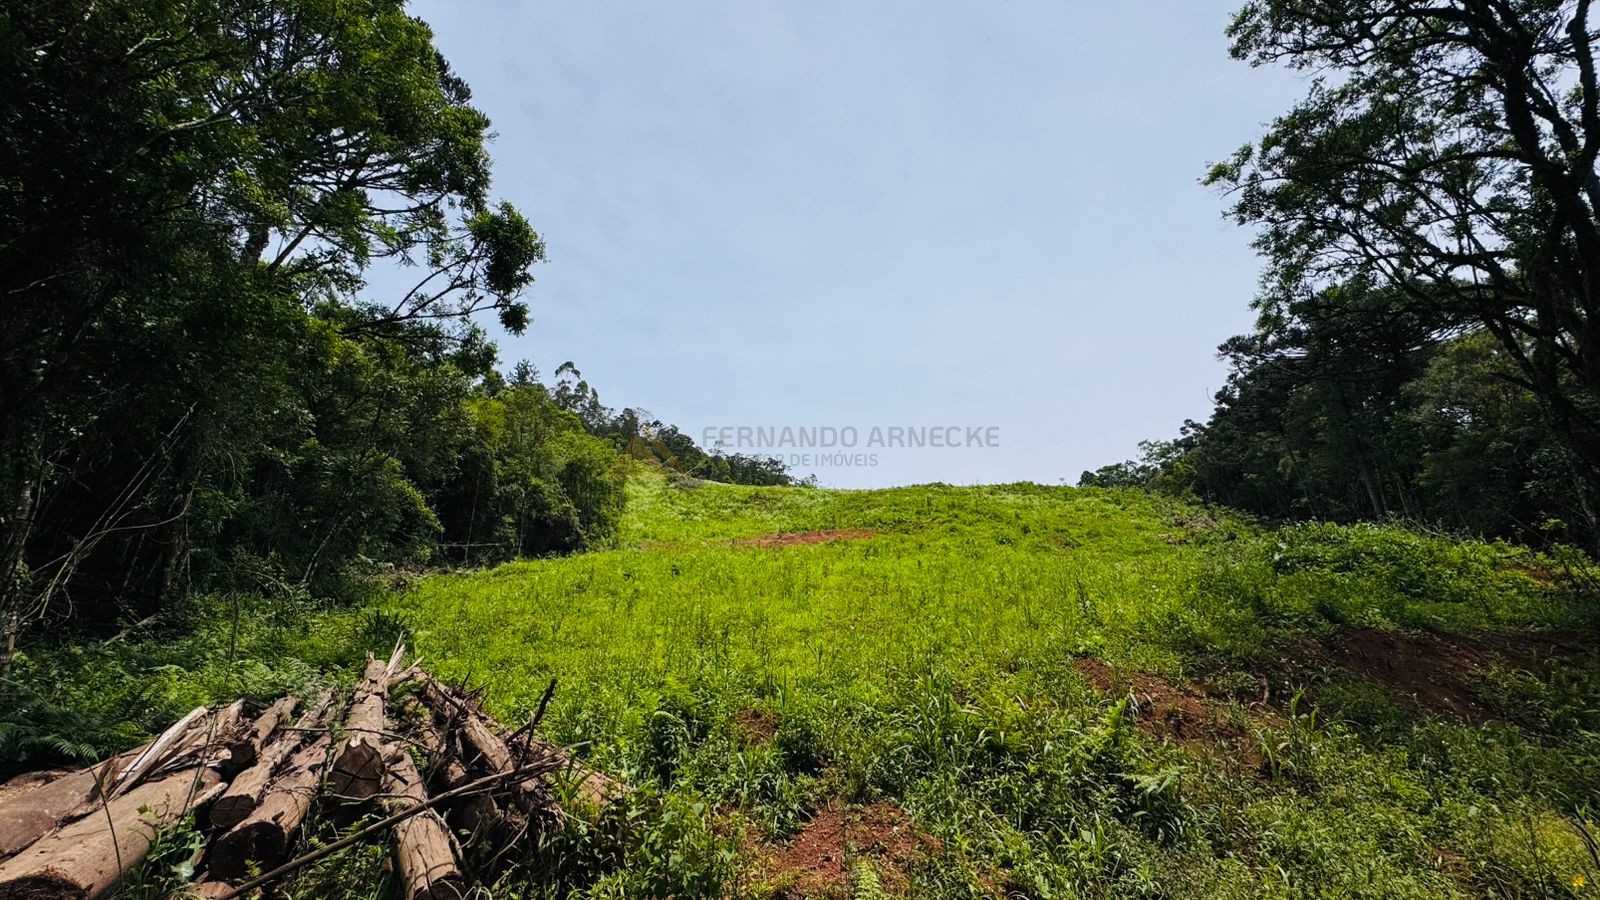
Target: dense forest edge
1429,219
202,387
1335,640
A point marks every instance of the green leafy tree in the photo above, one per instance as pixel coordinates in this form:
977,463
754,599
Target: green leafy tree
1446,150
191,195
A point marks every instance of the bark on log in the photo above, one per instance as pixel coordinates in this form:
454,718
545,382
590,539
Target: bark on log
484,750
29,781
242,753
573,778
358,766
27,815
475,820
240,799
430,731
86,858
475,815
422,844
264,836
72,850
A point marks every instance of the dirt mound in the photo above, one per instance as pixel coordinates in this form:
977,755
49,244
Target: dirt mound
1159,707
818,861
809,537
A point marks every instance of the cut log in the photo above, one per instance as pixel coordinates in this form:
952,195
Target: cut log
240,799
264,836
28,781
481,784
490,753
476,819
483,750
572,778
422,844
482,747
358,763
430,731
243,751
27,815
86,858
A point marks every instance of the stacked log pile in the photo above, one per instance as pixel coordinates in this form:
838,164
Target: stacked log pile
423,760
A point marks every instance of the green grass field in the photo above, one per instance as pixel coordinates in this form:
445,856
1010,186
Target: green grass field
923,671
1009,691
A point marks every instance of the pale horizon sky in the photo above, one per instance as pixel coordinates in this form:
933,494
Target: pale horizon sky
888,214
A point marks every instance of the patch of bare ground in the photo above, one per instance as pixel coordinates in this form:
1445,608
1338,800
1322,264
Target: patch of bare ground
809,537
1162,709
817,862
1430,672
756,725
1434,672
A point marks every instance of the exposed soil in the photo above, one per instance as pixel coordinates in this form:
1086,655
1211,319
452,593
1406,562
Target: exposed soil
817,861
1159,707
1547,577
1434,671
756,725
810,537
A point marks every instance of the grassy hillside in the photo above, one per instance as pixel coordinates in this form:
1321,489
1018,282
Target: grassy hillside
962,692
940,691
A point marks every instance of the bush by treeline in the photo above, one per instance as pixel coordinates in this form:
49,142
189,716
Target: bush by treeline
1429,218
200,385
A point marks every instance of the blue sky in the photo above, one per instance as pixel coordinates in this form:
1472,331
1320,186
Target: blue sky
878,214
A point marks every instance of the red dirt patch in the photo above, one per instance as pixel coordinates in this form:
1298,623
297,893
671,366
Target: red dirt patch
1433,671
756,725
810,537
817,862
1160,708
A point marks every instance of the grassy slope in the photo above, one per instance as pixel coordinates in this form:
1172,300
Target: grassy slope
932,665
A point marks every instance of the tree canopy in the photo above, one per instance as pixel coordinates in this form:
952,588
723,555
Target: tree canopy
200,385
1447,151
1427,215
